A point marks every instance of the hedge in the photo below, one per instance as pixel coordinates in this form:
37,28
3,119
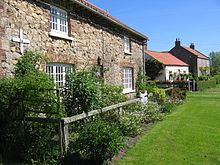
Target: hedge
217,77
202,85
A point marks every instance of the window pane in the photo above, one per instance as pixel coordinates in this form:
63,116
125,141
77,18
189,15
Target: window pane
127,78
58,20
59,73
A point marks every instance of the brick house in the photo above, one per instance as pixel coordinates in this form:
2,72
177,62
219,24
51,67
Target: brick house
191,56
173,67
72,33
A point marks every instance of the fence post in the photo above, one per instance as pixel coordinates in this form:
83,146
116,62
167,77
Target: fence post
194,85
61,137
66,136
189,85
121,111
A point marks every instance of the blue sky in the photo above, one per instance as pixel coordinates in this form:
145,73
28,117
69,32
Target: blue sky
193,21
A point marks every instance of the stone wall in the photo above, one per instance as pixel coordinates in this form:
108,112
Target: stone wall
91,39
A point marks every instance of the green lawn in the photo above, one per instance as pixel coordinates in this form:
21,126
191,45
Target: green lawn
190,135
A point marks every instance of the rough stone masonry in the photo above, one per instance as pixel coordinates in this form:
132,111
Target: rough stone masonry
93,36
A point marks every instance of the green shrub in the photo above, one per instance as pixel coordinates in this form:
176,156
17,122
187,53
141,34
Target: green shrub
130,124
150,85
29,63
146,113
83,93
20,97
39,146
98,141
167,107
179,94
217,78
203,78
151,113
202,85
112,95
30,91
141,82
159,95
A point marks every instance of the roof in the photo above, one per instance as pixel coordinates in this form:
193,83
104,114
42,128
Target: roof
166,58
105,14
195,52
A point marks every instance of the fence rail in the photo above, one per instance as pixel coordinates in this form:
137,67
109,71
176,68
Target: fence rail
63,123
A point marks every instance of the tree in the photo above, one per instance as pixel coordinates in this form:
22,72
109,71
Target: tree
215,63
153,68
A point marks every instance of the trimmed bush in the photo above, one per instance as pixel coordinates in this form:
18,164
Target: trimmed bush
202,85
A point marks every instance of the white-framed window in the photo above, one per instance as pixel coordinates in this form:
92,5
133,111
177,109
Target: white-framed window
58,20
127,80
127,45
59,73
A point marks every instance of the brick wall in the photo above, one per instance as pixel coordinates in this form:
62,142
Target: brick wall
186,57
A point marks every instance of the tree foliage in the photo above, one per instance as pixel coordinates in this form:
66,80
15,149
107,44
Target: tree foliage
153,68
215,63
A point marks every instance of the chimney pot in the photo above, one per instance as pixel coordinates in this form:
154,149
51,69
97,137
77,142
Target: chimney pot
177,42
192,46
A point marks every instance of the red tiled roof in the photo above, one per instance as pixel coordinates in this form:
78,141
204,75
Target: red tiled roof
196,52
166,58
106,14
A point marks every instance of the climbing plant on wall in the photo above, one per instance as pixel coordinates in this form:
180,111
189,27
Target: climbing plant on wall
153,68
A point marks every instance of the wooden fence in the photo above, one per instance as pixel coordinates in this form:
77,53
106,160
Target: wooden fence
63,123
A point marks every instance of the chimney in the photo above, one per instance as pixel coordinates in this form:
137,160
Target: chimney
177,42
192,46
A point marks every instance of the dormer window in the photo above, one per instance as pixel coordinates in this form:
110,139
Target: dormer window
127,45
59,23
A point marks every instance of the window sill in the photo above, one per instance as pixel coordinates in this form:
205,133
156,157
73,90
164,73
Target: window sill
127,53
127,91
60,35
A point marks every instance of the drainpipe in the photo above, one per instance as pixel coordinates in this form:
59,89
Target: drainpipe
144,44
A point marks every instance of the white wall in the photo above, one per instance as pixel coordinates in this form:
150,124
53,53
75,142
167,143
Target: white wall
173,69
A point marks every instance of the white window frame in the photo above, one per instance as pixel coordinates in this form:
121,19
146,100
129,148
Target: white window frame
127,80
127,45
59,23
59,72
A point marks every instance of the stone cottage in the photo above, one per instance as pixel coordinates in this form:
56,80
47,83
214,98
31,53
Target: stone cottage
72,33
197,61
173,67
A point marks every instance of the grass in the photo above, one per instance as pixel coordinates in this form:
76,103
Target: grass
190,135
